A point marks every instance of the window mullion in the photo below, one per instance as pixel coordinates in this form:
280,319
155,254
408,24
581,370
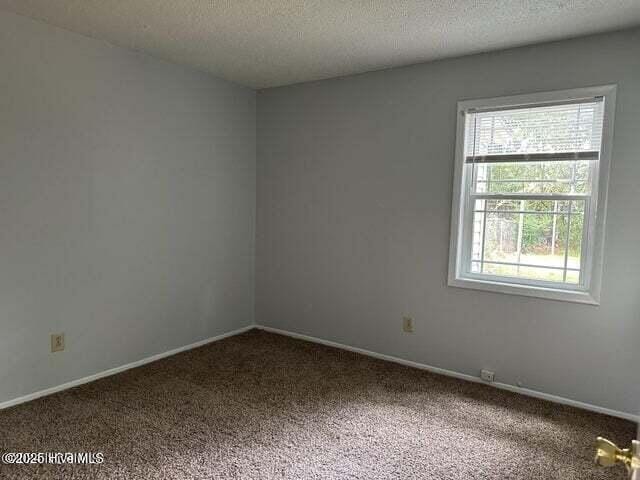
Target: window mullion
520,232
566,247
484,235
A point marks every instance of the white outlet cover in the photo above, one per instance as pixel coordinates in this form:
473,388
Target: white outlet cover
407,324
57,342
487,375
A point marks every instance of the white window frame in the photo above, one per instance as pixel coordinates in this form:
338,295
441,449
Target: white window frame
588,291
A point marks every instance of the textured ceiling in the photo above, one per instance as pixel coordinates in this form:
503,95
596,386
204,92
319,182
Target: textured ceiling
264,43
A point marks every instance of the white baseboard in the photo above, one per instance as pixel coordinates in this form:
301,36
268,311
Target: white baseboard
389,358
122,368
462,376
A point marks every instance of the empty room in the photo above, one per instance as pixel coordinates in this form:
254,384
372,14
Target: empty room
305,239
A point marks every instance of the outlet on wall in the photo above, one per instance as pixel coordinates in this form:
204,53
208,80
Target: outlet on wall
487,375
57,342
407,324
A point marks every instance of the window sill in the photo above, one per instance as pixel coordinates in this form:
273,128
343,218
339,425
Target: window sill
572,296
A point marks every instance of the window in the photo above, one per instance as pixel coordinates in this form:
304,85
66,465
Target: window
530,193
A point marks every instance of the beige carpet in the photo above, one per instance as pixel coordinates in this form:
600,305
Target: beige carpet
260,406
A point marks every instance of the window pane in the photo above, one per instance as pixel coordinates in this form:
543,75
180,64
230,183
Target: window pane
524,239
571,177
531,273
573,277
516,237
558,207
501,237
576,230
476,239
577,206
541,242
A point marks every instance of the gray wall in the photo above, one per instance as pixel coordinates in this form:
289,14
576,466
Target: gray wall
127,205
354,204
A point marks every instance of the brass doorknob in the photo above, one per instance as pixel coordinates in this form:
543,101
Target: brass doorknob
609,454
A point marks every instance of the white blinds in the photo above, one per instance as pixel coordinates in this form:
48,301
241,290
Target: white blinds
566,131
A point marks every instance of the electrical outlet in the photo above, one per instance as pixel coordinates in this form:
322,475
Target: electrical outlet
57,342
407,324
487,375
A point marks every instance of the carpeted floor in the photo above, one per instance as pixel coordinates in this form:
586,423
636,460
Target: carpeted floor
260,406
